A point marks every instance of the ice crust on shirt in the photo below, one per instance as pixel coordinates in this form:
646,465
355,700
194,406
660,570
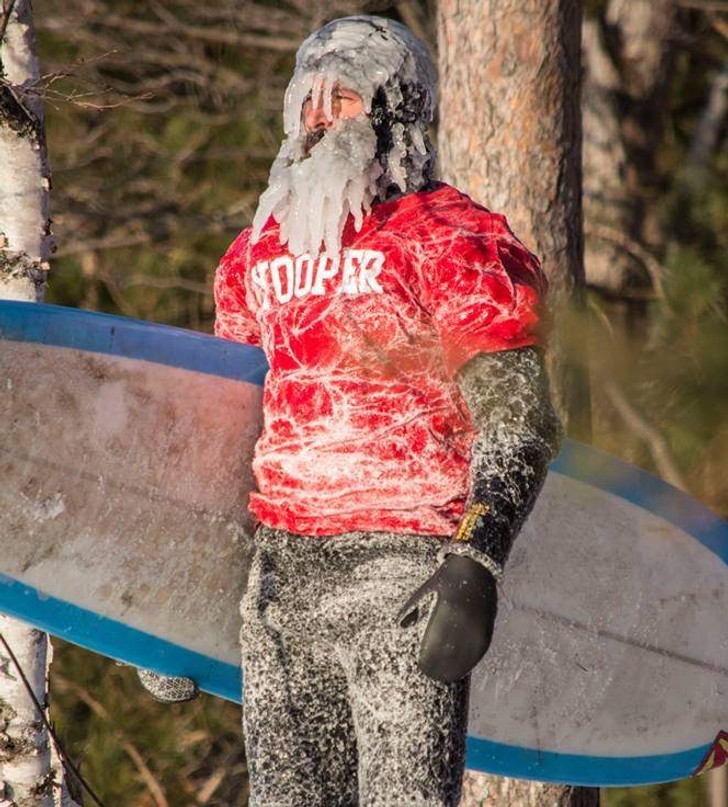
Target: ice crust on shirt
365,427
388,148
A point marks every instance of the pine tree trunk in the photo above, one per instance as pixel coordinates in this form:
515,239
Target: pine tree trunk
28,777
510,137
629,55
509,132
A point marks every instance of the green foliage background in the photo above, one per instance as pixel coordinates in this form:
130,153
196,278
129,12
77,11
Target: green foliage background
161,131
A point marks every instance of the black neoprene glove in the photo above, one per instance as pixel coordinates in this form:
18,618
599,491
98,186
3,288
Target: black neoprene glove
518,433
460,627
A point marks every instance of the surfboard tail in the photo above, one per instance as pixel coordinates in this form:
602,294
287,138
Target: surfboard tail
716,756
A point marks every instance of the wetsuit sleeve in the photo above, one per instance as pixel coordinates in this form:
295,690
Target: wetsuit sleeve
483,290
519,432
233,317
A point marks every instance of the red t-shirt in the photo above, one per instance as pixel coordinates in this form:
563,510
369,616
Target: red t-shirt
364,424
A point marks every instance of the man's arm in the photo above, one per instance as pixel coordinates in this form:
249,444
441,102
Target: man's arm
518,433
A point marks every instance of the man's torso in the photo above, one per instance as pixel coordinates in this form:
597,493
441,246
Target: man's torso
365,428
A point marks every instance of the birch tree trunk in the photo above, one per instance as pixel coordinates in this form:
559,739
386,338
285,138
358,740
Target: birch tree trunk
510,137
24,177
28,777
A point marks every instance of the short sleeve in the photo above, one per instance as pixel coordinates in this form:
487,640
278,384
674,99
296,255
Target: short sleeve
483,289
233,318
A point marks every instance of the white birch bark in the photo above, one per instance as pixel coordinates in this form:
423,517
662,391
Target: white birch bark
28,777
24,177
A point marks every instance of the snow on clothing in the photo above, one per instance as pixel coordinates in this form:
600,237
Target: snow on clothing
508,397
367,435
336,711
365,428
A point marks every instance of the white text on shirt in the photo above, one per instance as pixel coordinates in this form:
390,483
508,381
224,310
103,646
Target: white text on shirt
356,272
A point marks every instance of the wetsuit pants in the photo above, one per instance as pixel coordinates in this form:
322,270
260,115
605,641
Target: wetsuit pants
336,711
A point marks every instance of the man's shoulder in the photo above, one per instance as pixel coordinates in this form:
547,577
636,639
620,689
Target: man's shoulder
242,240
443,207
239,248
443,218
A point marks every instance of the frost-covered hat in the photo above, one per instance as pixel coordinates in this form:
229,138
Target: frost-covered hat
392,70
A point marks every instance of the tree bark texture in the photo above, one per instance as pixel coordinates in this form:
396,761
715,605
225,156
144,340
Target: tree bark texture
25,240
29,772
509,131
510,137
26,777
628,64
491,791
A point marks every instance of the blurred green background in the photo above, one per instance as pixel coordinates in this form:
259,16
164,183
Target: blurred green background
162,121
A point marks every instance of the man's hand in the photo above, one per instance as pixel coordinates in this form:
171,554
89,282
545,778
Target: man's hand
460,628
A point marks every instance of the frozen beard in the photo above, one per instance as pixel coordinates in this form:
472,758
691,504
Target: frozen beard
313,189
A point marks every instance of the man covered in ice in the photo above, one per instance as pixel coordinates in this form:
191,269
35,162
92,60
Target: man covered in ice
407,432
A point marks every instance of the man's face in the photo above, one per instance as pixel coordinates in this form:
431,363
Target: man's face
345,103
326,169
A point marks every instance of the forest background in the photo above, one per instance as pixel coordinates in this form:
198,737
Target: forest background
162,121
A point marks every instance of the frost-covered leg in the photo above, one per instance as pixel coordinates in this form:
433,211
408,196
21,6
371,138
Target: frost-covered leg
321,643
299,737
411,729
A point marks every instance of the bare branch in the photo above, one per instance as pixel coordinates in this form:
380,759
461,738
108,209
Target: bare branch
655,440
720,25
704,5
655,269
211,784
218,35
8,6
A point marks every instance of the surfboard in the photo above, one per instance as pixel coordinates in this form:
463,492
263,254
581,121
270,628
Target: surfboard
124,472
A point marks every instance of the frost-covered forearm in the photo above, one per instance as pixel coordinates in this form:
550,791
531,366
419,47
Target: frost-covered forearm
508,396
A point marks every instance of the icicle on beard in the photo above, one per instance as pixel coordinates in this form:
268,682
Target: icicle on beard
316,182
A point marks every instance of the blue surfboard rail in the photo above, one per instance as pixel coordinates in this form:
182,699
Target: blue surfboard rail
117,640
601,470
114,639
61,326
578,769
108,334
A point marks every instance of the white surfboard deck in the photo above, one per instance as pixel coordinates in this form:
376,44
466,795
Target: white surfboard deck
124,471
